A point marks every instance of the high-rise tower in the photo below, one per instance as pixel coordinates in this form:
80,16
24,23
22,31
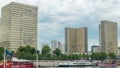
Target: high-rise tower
18,25
76,40
108,39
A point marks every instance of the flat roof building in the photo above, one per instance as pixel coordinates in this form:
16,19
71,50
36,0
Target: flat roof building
108,39
95,48
55,44
76,40
119,51
18,25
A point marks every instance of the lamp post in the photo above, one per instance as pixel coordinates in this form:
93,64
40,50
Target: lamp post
36,58
4,57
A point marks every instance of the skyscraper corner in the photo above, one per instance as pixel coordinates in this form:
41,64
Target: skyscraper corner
108,37
76,40
18,25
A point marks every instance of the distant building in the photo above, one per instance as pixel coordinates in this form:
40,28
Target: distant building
62,48
18,25
55,44
76,40
119,51
95,48
108,39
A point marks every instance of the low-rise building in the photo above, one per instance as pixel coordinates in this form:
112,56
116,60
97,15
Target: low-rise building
95,48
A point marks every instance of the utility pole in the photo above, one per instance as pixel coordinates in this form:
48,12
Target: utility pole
36,58
4,57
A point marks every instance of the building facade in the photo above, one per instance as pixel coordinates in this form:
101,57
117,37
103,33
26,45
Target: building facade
18,25
55,44
108,39
76,40
118,51
62,48
95,48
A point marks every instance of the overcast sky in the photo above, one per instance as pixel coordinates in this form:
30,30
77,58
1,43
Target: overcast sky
55,15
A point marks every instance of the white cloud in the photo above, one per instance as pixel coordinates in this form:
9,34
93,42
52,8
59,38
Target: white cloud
74,12
55,15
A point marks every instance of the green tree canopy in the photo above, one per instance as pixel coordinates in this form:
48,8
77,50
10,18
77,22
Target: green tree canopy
26,52
1,50
98,56
93,56
45,50
1,57
57,52
1,53
27,49
102,56
112,55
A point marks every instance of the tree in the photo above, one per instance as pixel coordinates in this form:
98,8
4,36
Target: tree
57,52
1,53
1,57
26,52
112,55
45,50
54,57
75,56
102,56
64,56
79,56
70,56
99,56
1,50
12,52
84,56
95,56
87,56
40,56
